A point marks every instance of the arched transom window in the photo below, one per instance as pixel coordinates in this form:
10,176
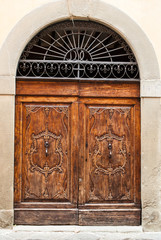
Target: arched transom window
78,50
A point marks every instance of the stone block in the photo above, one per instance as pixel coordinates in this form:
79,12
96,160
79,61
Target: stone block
151,88
7,84
6,218
151,164
79,8
7,152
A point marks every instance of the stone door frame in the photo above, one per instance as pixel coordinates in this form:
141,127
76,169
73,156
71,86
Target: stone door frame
150,94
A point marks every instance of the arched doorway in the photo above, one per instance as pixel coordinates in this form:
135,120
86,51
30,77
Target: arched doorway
77,145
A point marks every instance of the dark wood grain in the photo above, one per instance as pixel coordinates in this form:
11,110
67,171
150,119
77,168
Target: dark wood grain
46,88
109,89
110,176
46,216
109,218
44,178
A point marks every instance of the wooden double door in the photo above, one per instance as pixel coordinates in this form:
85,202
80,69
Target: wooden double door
77,154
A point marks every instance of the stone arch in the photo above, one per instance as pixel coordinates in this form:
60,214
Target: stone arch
97,11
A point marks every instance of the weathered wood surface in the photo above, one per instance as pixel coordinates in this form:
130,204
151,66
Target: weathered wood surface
110,89
77,159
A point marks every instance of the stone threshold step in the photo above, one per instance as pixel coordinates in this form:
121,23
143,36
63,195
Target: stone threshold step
75,228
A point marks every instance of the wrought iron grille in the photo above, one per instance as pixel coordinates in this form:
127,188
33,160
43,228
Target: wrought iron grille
78,50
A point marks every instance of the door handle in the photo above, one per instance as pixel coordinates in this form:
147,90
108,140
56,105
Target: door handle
46,148
110,149
80,180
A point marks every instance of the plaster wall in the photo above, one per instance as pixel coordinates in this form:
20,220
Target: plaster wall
145,13
21,20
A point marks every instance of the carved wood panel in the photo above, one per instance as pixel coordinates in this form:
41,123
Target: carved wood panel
45,164
46,156
68,145
110,137
109,163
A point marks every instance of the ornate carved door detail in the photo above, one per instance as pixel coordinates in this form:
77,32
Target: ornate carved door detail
77,161
109,155
111,166
46,170
110,139
46,152
45,159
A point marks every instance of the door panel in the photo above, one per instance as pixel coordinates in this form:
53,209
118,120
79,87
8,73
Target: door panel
83,89
44,172
46,131
110,136
110,162
77,161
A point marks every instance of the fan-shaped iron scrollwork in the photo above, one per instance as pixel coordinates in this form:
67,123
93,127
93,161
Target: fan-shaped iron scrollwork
78,50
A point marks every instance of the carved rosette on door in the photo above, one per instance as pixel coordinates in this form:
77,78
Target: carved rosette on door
109,153
46,153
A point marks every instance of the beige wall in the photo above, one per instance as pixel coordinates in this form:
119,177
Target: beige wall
21,19
146,13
